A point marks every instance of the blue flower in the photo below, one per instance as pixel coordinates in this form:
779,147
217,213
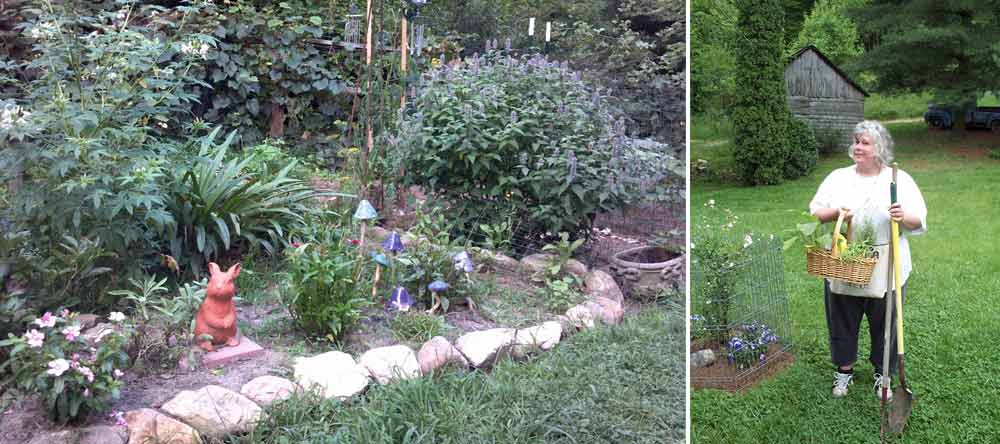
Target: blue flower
393,243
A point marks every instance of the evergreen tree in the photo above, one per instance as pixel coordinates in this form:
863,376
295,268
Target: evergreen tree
948,47
760,117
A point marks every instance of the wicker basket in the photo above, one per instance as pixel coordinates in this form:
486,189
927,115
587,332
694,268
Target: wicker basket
827,264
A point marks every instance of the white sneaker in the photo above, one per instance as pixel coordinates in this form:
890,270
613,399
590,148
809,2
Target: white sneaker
878,387
840,383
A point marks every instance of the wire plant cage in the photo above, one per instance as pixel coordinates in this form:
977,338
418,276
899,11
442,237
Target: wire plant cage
739,311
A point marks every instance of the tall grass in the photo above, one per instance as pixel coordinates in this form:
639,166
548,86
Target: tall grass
947,313
608,385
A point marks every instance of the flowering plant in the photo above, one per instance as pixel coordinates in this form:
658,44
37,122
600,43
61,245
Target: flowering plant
717,256
73,375
749,345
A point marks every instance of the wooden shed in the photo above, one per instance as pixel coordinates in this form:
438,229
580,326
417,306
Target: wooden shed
825,97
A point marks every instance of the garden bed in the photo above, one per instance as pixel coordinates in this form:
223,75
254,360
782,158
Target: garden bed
725,375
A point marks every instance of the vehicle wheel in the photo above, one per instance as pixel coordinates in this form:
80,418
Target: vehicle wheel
995,126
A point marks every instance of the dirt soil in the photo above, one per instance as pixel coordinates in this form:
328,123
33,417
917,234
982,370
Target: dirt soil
725,376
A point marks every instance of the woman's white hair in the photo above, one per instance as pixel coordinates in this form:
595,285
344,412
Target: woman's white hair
880,137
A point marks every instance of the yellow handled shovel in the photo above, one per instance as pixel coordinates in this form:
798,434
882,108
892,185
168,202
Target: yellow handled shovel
902,398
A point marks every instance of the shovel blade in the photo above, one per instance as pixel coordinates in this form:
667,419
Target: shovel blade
899,409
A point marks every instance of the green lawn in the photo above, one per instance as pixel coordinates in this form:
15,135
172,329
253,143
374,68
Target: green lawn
952,312
607,385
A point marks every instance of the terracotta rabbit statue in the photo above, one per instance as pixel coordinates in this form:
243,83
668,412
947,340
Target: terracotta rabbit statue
217,314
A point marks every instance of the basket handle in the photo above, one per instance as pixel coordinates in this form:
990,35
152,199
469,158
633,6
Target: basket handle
836,232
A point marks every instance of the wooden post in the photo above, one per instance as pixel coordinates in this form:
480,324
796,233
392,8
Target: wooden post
370,140
403,52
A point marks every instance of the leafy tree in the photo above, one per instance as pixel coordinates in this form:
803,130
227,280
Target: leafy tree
713,63
948,47
830,29
760,116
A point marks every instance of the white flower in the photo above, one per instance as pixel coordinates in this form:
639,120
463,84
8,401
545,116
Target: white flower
57,367
747,241
116,316
195,48
711,203
43,30
35,338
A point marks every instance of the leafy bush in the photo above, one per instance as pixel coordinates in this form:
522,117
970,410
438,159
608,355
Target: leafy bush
73,376
326,281
267,78
501,132
803,150
432,257
216,203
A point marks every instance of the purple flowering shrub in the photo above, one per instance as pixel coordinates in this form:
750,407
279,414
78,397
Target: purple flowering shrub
748,346
499,135
74,376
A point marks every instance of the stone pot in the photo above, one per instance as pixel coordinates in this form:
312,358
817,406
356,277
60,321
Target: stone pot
644,272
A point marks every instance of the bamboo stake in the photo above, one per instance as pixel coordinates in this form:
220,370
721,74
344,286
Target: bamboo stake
403,50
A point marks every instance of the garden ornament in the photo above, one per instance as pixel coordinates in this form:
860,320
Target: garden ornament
400,299
393,243
216,317
364,213
435,288
463,262
902,397
380,261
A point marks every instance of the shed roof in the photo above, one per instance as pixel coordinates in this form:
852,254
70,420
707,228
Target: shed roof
828,62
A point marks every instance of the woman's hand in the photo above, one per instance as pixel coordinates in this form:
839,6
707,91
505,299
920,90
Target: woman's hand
831,214
908,221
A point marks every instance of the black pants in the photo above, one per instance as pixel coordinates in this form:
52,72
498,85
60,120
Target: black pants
843,321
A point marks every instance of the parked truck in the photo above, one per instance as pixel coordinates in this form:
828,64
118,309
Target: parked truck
983,117
939,116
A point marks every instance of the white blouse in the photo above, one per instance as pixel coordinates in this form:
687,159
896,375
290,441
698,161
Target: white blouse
869,201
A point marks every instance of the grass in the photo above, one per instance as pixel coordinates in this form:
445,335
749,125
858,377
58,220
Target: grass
607,385
950,316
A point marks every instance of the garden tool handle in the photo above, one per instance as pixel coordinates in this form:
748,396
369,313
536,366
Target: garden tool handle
896,267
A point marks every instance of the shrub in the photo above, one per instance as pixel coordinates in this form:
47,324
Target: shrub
326,281
760,114
216,203
501,132
803,150
73,376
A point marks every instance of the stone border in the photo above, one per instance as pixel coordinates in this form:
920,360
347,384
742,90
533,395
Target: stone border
213,411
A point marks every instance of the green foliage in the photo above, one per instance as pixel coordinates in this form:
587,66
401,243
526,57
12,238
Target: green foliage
947,48
326,287
713,60
803,149
502,132
562,292
102,106
149,292
217,204
264,68
717,257
995,153
829,28
70,275
563,250
72,376
760,115
430,258
416,326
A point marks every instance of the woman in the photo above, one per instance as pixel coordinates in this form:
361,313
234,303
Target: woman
862,192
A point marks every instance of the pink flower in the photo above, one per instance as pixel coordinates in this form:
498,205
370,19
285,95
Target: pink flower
57,367
65,312
35,338
86,373
46,321
71,332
